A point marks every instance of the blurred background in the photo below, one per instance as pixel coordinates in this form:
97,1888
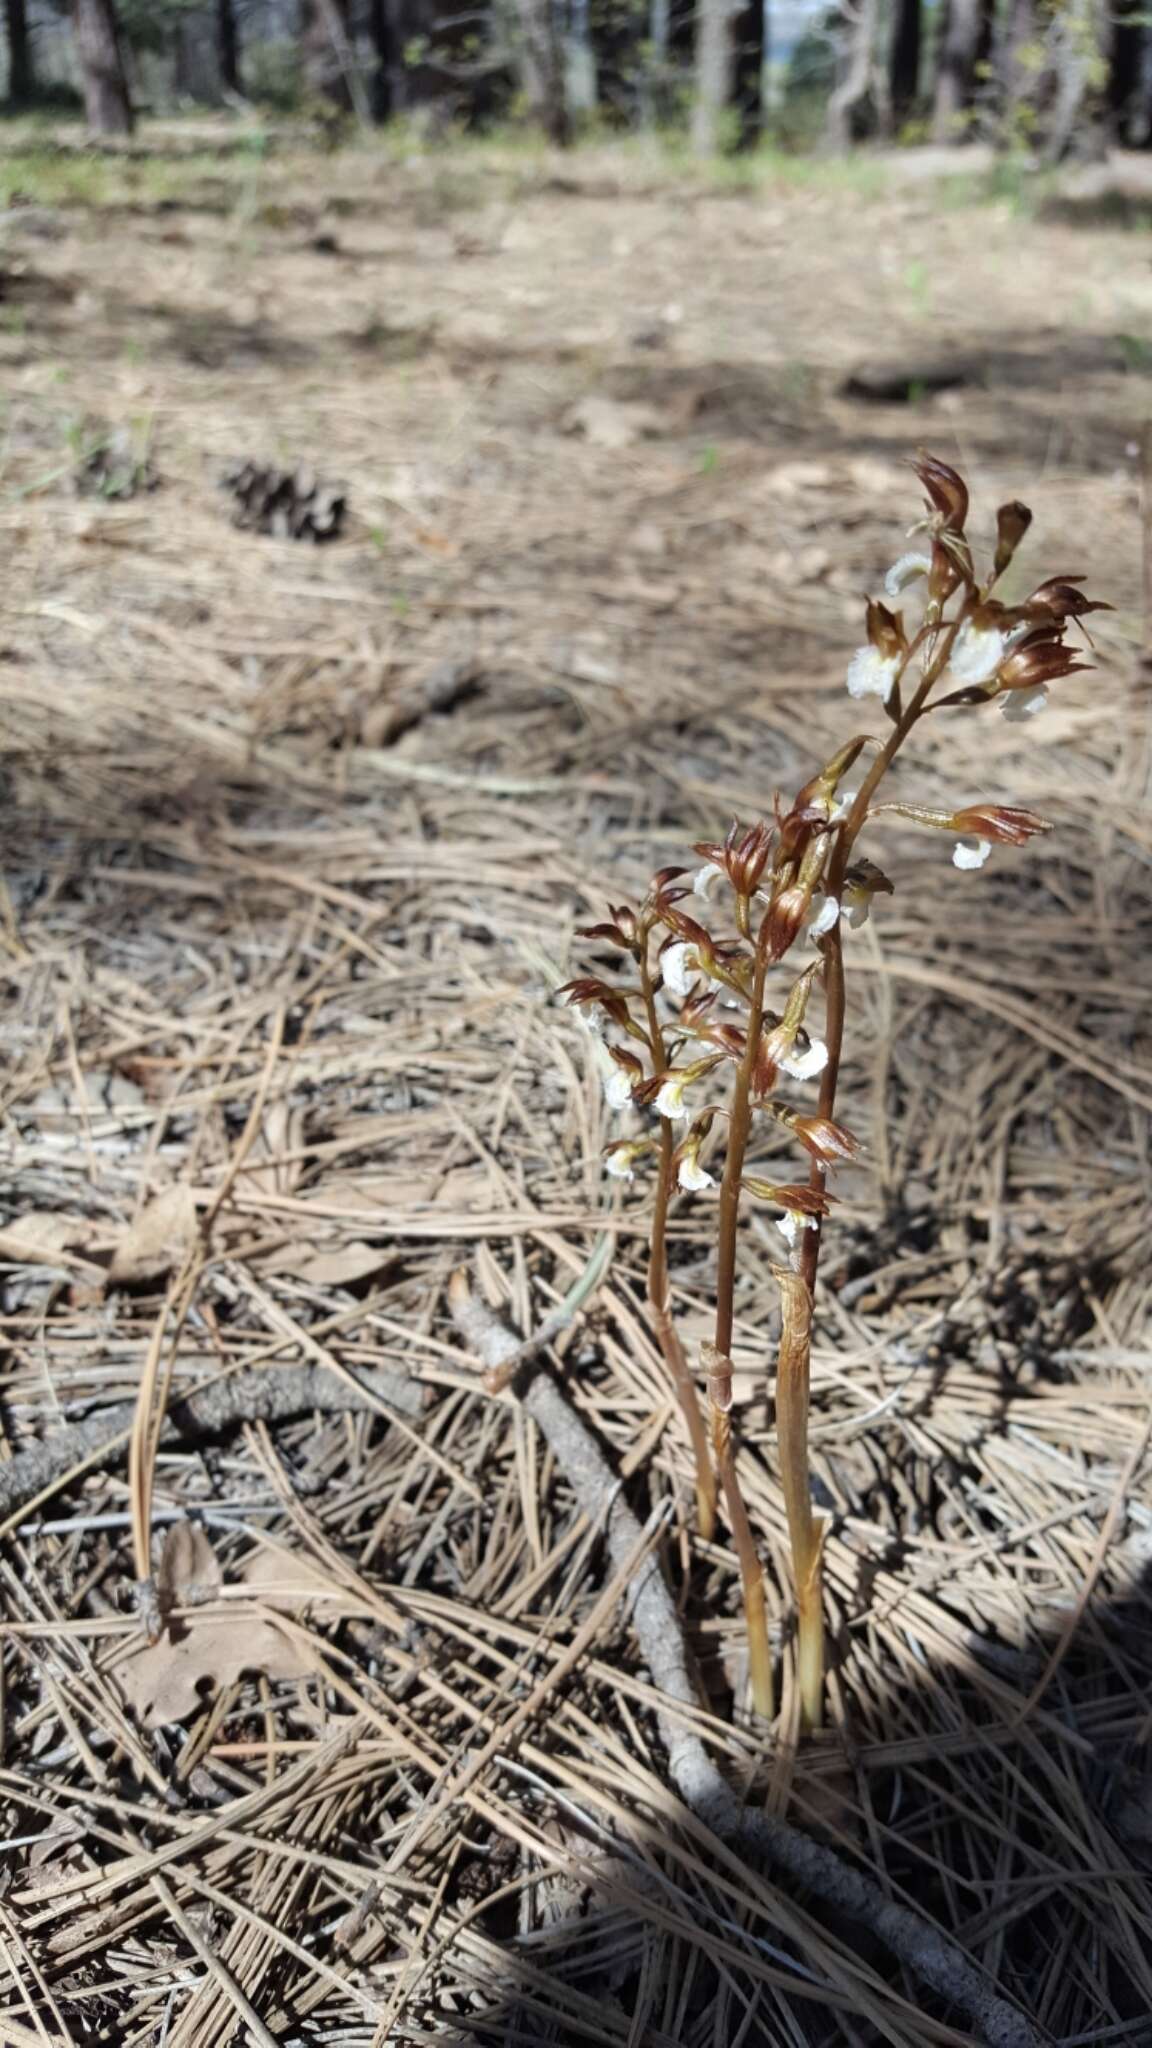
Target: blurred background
1049,76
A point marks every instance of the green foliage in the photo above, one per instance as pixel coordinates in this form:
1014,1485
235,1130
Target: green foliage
1137,353
47,176
151,24
272,75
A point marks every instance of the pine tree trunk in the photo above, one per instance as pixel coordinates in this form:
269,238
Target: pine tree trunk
384,54
1016,77
904,61
541,56
1076,111
1126,71
852,92
228,46
106,99
956,68
715,73
751,56
21,81
331,70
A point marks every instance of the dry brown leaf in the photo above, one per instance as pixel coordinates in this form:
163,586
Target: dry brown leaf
44,1237
159,1240
189,1568
285,1580
166,1681
344,1265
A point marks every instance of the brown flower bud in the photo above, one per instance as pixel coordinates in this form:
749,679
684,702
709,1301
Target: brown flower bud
947,493
1060,597
999,822
586,992
1041,658
803,1200
784,919
743,856
1012,523
885,630
951,566
819,796
825,1140
622,932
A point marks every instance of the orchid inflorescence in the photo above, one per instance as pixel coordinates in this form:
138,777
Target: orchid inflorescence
710,1063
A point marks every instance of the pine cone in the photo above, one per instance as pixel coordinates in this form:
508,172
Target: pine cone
291,504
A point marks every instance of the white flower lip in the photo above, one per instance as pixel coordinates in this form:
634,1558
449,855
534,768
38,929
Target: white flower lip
670,1101
792,1222
1017,705
804,1065
965,855
679,968
872,674
826,918
616,1163
706,878
977,652
617,1089
692,1176
905,571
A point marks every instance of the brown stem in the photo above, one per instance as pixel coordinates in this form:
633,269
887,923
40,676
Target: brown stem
743,1542
793,1373
751,1571
659,1291
739,1125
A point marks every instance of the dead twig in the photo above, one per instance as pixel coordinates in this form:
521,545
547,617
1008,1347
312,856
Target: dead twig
32,1476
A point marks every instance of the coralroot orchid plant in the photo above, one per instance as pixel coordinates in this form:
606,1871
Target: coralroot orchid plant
711,1030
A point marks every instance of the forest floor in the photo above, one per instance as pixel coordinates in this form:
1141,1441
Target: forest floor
296,839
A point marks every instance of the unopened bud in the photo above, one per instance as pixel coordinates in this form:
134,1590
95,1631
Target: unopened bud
1012,523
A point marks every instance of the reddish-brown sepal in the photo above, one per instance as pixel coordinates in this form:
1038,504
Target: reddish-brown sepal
947,493
1000,823
1012,523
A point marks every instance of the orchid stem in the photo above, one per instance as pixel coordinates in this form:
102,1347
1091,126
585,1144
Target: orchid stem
660,1299
793,1372
751,1570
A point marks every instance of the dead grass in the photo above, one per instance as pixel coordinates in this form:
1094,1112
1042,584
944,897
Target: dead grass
226,886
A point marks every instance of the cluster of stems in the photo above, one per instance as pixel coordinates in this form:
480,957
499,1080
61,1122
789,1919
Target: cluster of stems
705,1049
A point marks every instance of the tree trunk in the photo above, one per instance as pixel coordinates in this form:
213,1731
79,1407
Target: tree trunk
956,68
384,59
228,46
106,99
852,92
751,56
541,58
715,73
1078,68
331,66
1126,71
1016,77
904,61
21,81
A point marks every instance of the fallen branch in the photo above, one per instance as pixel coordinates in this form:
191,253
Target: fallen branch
267,1396
924,1949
